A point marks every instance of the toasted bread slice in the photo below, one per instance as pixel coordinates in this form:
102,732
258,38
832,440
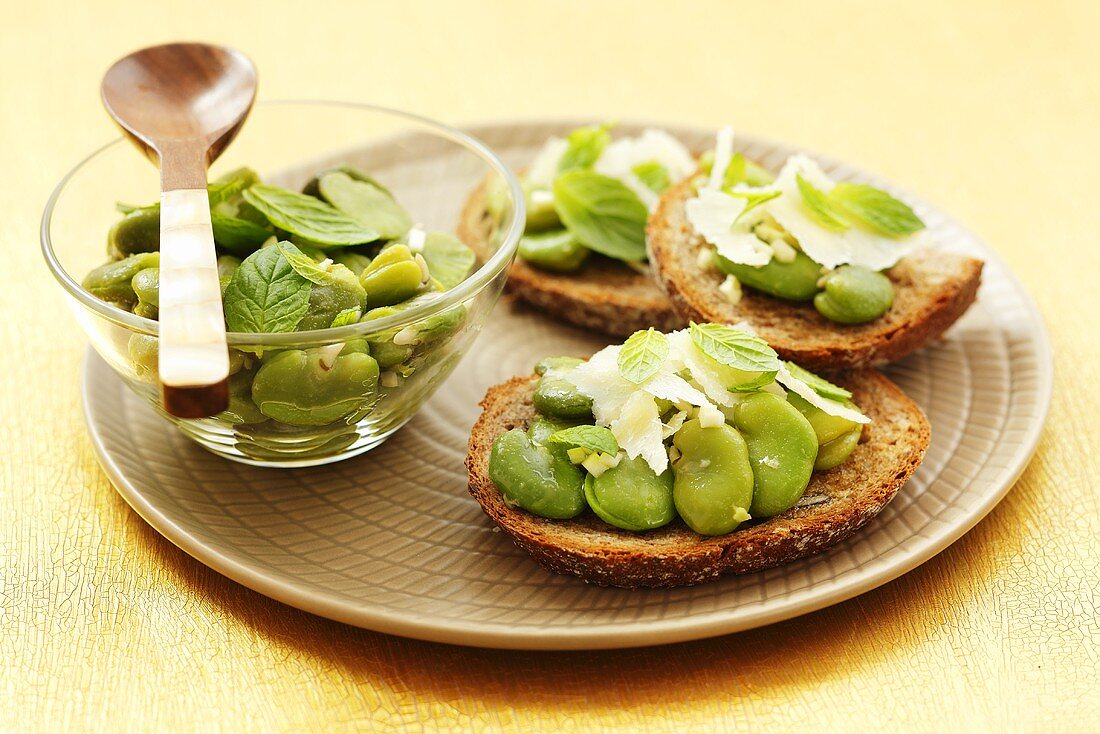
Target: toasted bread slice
605,295
835,504
932,289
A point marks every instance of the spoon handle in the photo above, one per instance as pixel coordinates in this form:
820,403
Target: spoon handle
194,358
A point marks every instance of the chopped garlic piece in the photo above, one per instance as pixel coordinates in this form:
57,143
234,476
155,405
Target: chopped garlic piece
731,289
542,197
578,454
710,417
329,353
783,252
425,276
417,237
407,337
598,463
705,258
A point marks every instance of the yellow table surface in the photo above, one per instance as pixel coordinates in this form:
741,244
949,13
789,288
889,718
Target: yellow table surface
989,109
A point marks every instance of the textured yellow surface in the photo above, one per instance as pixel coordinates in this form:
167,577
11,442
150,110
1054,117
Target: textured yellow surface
989,109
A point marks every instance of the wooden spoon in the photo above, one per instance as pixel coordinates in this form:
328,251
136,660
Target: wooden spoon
182,104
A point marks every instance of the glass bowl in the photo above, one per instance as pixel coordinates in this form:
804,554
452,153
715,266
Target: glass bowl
429,167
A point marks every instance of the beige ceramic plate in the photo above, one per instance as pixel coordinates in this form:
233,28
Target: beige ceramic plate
391,540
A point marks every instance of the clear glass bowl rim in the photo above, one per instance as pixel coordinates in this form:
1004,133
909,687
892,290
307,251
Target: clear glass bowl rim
469,287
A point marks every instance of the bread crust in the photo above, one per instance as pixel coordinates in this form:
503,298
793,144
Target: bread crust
846,497
605,295
932,289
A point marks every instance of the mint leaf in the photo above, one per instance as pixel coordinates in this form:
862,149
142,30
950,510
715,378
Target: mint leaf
367,203
123,208
449,259
602,213
734,348
754,383
752,199
875,208
757,175
586,144
345,317
819,385
237,235
307,217
735,171
817,203
304,265
740,170
265,294
653,175
593,438
642,355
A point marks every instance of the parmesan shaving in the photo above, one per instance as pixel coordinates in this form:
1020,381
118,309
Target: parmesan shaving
832,407
723,154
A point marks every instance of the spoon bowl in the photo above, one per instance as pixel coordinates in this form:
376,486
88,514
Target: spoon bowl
180,92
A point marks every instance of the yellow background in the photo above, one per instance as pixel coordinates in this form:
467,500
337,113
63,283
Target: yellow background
990,109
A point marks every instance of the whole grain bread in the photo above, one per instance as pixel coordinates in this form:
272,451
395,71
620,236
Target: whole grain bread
836,503
932,289
605,295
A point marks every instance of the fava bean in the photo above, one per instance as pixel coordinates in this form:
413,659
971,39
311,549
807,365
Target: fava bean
834,453
113,281
794,281
312,387
541,213
555,395
340,292
146,285
241,407
535,478
782,448
147,311
558,397
542,428
557,251
632,496
145,352
138,231
854,295
563,364
712,478
827,427
392,277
